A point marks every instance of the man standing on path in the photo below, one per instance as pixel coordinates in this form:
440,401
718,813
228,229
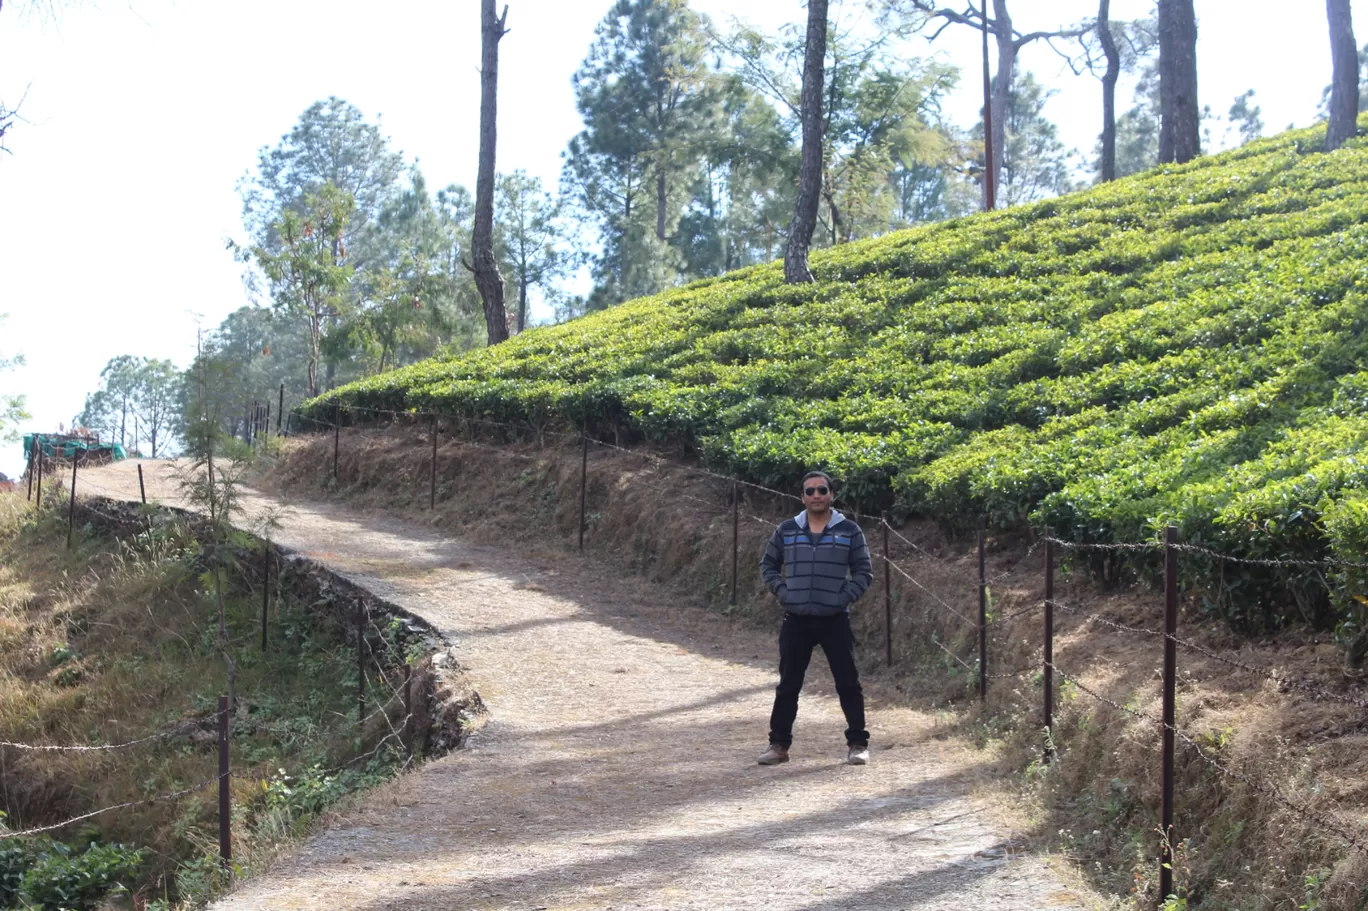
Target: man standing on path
817,564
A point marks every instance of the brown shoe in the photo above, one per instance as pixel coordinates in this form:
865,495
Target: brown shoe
858,755
776,754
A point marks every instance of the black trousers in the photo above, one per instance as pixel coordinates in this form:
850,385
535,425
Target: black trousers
798,636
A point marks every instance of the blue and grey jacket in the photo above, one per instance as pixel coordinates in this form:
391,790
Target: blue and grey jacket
817,575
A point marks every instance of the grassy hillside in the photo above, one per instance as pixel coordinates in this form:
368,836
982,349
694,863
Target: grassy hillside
1185,346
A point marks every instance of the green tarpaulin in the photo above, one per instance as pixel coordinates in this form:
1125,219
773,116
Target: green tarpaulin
61,446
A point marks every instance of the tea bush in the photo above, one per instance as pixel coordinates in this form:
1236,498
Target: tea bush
1183,346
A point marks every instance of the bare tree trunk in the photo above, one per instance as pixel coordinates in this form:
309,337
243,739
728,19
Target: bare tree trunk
1179,118
522,301
1109,79
486,267
838,229
810,171
1344,88
1008,48
660,201
313,357
989,188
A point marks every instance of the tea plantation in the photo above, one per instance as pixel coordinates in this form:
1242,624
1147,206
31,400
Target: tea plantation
1186,346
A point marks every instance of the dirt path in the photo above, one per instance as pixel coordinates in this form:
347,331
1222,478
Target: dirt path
617,769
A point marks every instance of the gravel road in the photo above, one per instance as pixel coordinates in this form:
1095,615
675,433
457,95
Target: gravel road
617,769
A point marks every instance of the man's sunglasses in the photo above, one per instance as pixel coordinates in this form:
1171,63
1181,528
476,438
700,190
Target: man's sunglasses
809,491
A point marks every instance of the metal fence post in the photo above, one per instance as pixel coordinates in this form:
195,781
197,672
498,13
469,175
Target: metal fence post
337,436
584,483
38,502
983,619
265,589
1170,679
432,492
888,597
1049,647
31,463
142,488
225,792
71,510
736,542
408,711
360,666
280,408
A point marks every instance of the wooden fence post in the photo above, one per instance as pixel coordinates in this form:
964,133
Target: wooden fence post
265,589
225,792
1049,647
71,510
142,488
983,619
584,483
888,597
360,666
407,735
1170,680
736,542
337,437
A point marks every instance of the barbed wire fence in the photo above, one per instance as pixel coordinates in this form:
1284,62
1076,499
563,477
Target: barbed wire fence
1041,666
373,675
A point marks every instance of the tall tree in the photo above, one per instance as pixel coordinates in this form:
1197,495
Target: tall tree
1115,47
99,415
414,295
1180,118
309,273
650,108
810,169
1109,79
155,400
120,382
332,143
530,234
881,124
1245,117
143,390
1009,42
645,90
1035,164
742,198
1344,84
247,357
486,265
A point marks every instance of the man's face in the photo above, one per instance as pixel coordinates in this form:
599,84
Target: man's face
817,494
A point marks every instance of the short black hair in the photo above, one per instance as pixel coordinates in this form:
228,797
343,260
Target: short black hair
818,474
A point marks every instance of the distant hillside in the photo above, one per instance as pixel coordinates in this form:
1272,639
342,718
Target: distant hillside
1185,346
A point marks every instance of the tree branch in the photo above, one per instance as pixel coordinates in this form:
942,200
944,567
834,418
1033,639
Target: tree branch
1024,40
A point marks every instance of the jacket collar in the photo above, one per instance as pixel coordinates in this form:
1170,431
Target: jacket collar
836,519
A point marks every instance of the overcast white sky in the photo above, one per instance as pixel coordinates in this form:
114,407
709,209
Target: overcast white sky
142,115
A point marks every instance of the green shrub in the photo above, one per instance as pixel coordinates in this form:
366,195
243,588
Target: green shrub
50,874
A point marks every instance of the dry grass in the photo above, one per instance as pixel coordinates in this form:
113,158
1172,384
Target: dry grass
1098,802
115,640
